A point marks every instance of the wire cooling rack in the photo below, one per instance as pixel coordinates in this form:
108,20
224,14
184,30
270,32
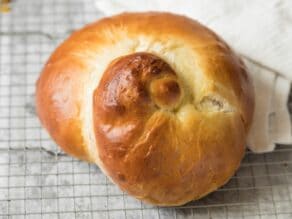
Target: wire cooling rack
39,181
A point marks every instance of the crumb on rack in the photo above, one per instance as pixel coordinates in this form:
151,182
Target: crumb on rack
5,6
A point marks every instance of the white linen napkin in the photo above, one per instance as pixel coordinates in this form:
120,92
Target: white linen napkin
261,32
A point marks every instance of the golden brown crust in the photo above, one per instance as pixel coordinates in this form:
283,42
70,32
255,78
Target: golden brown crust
143,145
157,100
58,104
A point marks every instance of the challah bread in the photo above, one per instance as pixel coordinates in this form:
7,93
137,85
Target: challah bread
159,102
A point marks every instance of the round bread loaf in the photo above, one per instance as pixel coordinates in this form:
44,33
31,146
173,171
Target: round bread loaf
158,101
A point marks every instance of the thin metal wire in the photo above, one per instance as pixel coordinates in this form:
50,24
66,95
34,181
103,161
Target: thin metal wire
41,181
85,173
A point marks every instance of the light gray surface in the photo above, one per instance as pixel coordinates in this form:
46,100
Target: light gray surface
38,181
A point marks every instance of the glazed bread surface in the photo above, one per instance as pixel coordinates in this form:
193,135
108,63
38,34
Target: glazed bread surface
158,101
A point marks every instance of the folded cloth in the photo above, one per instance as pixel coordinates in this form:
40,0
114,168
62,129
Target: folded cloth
261,32
271,122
